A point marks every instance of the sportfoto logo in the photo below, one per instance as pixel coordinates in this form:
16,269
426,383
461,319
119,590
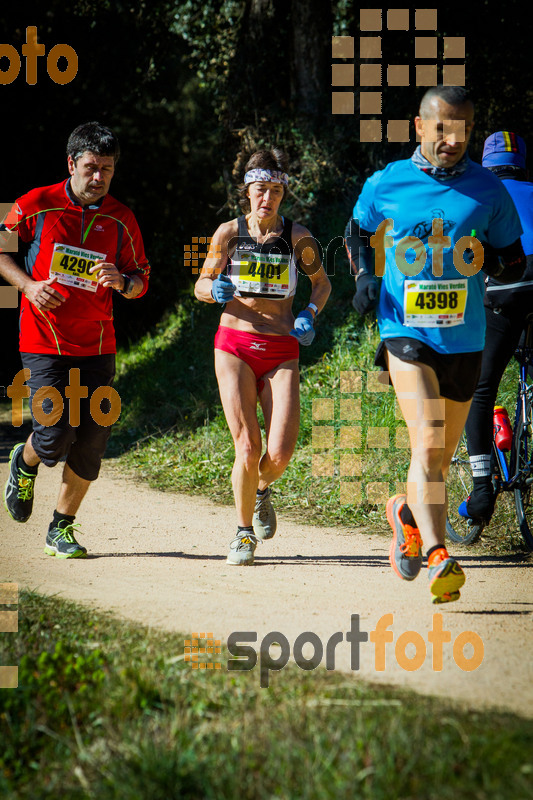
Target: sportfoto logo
436,60
246,657
8,624
47,403
32,51
437,242
434,230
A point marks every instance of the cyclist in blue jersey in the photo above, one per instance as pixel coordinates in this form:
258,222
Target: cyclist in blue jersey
419,215
506,309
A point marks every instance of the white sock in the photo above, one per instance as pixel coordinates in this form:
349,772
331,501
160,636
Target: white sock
480,466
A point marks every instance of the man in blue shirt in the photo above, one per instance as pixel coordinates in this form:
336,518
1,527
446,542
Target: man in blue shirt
429,214
506,309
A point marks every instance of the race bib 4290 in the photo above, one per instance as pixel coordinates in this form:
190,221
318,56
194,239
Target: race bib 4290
71,265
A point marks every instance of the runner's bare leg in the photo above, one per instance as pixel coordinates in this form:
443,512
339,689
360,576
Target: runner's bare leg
238,392
435,425
280,401
29,455
72,491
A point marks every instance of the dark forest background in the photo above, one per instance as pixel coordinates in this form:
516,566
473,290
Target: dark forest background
192,87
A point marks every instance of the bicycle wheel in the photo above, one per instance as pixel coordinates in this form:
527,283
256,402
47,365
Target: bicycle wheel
523,497
458,486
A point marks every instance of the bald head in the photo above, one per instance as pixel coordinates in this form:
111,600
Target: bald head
444,125
451,95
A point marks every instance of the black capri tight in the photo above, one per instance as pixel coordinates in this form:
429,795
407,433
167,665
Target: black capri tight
504,328
83,445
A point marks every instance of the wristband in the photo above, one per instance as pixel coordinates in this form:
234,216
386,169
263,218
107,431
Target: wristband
128,283
313,308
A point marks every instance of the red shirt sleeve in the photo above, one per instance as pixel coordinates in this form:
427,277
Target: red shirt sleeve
21,220
132,259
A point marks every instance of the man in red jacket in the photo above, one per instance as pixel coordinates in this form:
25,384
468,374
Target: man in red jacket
81,245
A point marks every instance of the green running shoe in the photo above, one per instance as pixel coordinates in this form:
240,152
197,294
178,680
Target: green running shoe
60,541
18,492
447,597
445,579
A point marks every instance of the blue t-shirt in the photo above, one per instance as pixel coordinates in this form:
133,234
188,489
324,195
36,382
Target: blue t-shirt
522,194
474,201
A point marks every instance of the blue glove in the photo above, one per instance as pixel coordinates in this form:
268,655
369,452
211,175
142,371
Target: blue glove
223,289
303,327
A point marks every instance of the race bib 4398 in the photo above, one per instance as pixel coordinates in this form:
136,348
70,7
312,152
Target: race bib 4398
432,304
71,265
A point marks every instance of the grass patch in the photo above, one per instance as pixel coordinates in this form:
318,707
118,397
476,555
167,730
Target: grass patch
107,709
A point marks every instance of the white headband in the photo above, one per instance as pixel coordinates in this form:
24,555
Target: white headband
267,175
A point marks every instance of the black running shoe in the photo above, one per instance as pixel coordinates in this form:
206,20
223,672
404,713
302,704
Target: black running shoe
18,492
60,541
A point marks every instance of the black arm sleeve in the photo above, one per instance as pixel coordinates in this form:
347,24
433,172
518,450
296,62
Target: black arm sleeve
506,265
359,251
358,248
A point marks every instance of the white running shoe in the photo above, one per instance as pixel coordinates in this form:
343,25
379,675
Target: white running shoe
264,520
242,549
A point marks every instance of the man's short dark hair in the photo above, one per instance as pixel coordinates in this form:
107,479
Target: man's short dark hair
453,95
94,138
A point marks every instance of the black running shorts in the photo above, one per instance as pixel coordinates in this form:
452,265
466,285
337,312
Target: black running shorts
457,373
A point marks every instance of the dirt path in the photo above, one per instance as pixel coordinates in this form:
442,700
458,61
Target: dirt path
160,559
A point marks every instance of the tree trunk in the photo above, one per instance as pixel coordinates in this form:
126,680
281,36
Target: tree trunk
311,56
259,77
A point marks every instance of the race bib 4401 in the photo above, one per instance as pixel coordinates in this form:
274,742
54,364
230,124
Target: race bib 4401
71,265
432,304
262,274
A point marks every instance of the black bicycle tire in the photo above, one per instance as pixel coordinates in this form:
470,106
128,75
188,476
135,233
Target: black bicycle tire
473,531
459,485
523,495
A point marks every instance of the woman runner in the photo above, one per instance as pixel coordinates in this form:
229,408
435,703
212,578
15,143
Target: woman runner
251,270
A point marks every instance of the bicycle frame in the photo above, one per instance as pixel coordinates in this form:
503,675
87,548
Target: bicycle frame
507,468
511,471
